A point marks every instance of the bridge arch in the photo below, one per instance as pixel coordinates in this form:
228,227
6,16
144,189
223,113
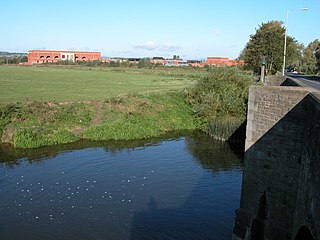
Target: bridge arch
304,234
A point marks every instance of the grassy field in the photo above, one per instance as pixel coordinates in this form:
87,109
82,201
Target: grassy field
49,105
70,84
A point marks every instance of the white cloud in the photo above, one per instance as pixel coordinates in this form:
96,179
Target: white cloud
85,48
168,47
216,32
147,46
151,46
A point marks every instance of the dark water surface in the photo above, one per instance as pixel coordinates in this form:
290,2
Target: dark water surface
185,187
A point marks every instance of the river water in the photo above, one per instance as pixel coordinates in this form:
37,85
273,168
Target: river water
180,187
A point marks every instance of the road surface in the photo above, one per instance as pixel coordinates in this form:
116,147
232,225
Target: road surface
310,81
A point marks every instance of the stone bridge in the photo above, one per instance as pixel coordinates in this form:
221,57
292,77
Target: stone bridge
280,196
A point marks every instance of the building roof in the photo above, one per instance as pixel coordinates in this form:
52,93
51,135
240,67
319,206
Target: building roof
58,51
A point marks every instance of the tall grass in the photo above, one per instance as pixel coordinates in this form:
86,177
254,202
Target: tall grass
36,124
7,112
134,116
220,100
39,137
143,116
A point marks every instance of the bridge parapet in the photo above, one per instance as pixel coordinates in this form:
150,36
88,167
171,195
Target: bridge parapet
283,81
280,189
267,105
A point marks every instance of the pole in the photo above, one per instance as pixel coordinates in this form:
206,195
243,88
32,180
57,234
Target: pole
262,73
285,44
285,37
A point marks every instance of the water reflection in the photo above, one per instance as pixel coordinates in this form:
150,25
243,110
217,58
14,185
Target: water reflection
215,155
13,156
159,189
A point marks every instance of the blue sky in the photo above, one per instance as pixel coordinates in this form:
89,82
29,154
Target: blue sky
193,29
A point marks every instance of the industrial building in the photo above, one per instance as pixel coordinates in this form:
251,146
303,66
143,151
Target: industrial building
220,61
42,56
50,56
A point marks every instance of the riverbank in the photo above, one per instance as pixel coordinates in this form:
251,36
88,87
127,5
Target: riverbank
149,105
135,116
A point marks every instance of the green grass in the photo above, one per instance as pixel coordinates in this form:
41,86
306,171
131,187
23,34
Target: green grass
143,116
48,105
36,124
39,137
134,116
79,84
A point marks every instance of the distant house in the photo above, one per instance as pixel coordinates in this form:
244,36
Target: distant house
176,62
116,59
158,60
220,61
134,60
194,63
42,56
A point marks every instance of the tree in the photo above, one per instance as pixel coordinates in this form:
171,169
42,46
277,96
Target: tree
144,62
317,55
309,60
268,42
176,57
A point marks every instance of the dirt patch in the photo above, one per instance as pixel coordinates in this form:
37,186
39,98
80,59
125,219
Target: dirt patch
98,118
7,134
78,130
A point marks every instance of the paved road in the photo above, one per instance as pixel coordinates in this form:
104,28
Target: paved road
311,81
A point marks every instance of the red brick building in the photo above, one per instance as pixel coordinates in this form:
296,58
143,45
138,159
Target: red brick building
41,56
158,60
219,61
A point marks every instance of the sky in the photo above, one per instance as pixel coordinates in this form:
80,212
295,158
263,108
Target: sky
192,29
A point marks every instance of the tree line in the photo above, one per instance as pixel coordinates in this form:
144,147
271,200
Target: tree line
13,60
268,43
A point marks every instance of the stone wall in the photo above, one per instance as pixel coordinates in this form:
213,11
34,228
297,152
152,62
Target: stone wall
267,105
307,210
274,80
280,189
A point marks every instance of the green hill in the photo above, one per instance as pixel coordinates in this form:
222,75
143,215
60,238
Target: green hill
8,54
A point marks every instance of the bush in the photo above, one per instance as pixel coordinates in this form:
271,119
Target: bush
223,93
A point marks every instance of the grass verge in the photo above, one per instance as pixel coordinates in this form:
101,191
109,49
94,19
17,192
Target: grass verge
135,116
143,116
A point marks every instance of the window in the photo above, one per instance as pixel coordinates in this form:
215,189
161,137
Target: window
63,56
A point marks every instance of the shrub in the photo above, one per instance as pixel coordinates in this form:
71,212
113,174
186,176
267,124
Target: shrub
223,93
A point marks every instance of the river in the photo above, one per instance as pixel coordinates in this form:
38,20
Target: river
185,186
